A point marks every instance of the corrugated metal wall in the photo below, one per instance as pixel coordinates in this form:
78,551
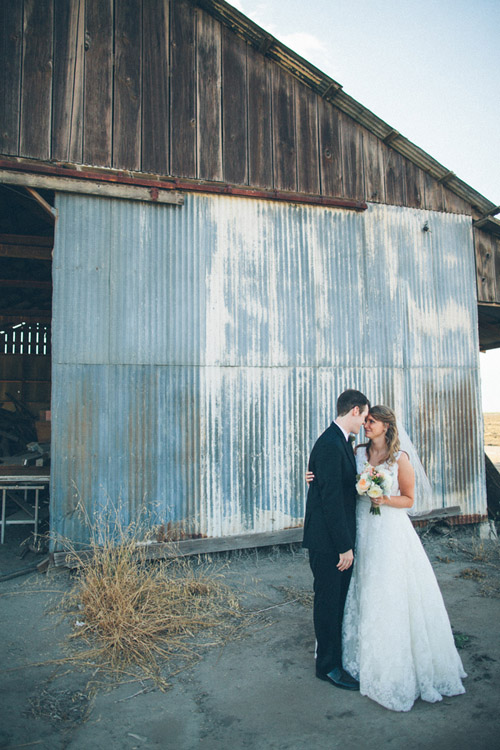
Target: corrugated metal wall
198,352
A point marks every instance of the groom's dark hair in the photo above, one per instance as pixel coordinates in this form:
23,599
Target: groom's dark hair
349,399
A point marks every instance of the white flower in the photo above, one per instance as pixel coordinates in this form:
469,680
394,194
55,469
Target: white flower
375,491
363,484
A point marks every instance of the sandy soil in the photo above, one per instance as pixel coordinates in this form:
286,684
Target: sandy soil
492,437
492,428
259,691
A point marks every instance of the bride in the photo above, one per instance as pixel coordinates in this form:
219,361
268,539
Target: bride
396,639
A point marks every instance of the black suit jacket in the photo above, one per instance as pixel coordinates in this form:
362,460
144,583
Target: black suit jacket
330,520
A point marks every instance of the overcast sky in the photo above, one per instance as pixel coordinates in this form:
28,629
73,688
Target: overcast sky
430,69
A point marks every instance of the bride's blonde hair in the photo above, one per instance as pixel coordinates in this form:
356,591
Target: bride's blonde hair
386,415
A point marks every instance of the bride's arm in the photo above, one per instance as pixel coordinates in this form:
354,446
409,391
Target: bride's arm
406,478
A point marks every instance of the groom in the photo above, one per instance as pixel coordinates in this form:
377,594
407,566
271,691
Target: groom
330,531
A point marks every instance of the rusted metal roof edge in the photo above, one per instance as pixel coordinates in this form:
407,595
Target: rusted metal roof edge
488,224
332,91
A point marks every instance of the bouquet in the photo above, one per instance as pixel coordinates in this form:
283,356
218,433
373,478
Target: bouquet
374,483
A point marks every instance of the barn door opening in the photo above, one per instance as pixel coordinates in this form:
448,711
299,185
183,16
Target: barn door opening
26,240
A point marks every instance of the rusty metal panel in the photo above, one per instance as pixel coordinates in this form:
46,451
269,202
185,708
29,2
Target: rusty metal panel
199,350
445,421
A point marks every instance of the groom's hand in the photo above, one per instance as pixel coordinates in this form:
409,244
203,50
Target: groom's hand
345,560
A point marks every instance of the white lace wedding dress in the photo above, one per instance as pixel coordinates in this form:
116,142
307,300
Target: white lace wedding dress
397,638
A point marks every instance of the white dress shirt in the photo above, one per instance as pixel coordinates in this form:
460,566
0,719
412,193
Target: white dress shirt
346,434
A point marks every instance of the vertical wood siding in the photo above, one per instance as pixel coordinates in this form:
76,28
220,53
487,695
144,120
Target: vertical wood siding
162,87
36,92
98,85
487,250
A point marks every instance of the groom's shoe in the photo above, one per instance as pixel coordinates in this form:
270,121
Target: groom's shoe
340,678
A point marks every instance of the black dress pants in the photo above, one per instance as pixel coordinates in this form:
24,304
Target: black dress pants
330,592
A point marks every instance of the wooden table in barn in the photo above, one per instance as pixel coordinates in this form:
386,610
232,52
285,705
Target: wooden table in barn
25,479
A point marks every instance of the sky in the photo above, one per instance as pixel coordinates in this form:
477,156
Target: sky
430,69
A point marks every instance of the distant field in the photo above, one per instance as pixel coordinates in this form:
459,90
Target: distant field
492,428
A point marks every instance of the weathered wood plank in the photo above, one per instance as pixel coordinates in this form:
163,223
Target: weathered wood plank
454,204
222,544
330,156
437,513
25,283
13,316
110,189
188,547
67,117
156,87
234,108
127,85
485,247
182,90
11,30
98,113
284,140
36,92
209,114
260,154
352,158
395,178
433,193
373,163
26,239
43,208
306,109
415,190
495,242
185,548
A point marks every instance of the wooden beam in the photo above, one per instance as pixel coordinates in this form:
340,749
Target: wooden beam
331,90
446,176
113,178
48,210
453,510
26,283
26,239
25,251
189,547
87,187
391,136
20,316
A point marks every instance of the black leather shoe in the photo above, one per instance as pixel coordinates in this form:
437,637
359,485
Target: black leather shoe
340,678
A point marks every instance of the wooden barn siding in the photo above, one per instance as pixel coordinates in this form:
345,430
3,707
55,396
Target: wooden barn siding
487,249
161,86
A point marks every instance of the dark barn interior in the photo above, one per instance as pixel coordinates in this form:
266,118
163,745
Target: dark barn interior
26,241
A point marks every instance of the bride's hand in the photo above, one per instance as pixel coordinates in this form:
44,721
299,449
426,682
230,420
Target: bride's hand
382,500
309,477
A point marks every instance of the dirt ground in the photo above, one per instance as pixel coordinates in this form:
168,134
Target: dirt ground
492,428
259,691
492,436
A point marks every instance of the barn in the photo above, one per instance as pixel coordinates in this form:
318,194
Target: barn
204,239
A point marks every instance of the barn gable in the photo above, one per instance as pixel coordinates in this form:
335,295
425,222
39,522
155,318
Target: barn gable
194,89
